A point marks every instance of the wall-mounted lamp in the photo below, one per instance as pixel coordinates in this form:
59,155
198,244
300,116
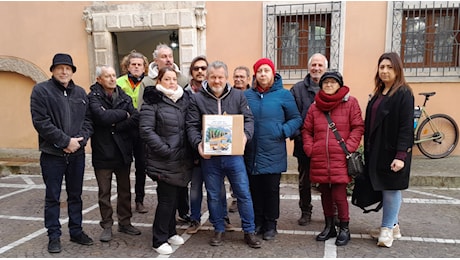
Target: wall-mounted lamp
174,40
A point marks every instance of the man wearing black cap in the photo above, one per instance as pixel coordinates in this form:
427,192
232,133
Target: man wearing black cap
59,110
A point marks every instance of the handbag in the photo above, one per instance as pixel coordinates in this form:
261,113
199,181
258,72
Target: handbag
364,194
355,160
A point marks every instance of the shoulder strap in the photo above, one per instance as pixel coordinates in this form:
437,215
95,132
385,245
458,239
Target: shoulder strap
337,135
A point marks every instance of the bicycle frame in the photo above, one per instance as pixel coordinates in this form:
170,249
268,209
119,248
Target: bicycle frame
424,114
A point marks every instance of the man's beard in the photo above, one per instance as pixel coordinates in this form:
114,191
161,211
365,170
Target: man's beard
217,90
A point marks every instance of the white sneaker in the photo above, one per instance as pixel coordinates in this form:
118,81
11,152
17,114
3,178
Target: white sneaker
386,237
164,249
176,240
375,233
396,232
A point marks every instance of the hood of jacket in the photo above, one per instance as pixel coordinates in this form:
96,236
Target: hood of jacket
153,69
206,89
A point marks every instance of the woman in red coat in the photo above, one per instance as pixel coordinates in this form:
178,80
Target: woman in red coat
328,165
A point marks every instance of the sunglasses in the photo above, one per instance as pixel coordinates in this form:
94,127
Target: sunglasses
196,68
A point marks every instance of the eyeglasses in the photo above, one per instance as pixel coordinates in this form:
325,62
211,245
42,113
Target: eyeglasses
196,68
332,81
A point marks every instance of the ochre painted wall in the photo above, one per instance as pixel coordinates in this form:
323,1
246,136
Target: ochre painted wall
234,33
17,129
38,30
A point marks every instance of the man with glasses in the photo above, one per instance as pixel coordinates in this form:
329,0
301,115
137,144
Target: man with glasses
198,69
241,78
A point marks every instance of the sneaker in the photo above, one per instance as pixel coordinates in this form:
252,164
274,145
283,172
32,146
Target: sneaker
164,249
129,229
106,235
194,227
184,219
82,239
140,208
386,237
396,232
54,245
375,233
233,207
176,240
228,226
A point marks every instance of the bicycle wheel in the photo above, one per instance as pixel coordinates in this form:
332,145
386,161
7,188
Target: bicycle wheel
444,130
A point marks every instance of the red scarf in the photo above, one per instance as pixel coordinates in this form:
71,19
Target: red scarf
326,102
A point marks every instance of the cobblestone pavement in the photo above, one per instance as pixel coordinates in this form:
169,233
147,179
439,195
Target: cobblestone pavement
429,223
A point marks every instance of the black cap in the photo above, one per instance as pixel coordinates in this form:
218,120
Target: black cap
62,58
331,74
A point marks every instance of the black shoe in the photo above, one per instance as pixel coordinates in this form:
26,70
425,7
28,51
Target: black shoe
184,219
54,245
129,229
216,240
329,230
252,240
82,239
270,234
304,219
344,235
259,231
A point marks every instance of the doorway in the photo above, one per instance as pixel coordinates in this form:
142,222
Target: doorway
144,42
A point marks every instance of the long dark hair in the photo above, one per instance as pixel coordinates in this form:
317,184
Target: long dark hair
400,80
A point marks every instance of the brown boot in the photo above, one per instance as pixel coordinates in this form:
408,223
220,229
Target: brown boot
140,208
252,240
216,240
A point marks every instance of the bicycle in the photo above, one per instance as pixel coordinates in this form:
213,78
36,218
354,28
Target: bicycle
437,135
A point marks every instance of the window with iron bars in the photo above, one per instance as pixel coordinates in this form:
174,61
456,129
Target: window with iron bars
294,32
427,36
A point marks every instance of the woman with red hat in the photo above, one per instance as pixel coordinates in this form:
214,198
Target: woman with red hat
276,118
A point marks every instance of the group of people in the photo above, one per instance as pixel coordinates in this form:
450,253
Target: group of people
155,114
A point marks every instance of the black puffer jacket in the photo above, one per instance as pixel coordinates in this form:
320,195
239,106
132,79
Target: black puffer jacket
112,141
162,128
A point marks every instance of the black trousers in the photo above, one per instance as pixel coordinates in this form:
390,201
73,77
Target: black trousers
265,192
304,184
164,224
139,164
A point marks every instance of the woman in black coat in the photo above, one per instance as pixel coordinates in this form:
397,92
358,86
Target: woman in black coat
388,141
168,154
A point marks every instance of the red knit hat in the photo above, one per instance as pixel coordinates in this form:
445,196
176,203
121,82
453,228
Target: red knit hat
262,62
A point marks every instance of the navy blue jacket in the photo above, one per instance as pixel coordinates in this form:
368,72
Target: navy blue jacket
58,114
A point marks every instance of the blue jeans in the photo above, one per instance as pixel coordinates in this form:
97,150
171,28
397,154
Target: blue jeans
390,207
196,194
214,170
54,170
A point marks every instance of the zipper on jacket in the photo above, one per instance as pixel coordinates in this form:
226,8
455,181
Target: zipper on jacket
327,155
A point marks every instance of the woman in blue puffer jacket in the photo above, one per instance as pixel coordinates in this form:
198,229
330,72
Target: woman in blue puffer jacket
276,118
